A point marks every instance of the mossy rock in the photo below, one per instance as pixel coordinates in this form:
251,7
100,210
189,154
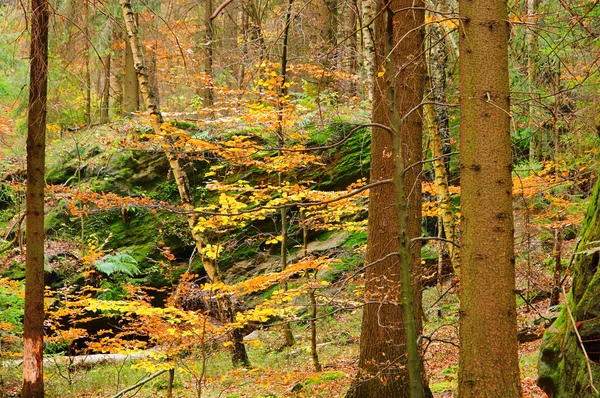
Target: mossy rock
347,163
562,366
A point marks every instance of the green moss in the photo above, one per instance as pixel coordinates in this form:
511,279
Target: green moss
348,162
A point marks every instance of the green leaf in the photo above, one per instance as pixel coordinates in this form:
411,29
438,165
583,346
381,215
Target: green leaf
119,262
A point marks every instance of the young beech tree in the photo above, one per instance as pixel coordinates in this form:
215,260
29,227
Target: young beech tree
33,324
239,354
382,361
488,362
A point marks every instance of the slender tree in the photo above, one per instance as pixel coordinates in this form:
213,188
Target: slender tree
240,356
33,324
383,357
488,363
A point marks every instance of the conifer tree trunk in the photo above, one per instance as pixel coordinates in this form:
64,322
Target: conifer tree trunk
536,136
488,363
383,358
209,99
33,323
239,355
105,104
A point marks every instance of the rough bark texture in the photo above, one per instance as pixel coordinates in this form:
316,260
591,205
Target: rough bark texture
239,355
382,360
33,324
488,362
562,368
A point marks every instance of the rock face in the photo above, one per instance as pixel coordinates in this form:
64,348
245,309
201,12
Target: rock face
261,264
563,368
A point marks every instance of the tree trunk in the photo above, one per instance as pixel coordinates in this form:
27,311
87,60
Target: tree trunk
239,355
441,183
382,362
368,50
536,136
105,106
437,61
287,330
88,72
33,323
488,362
131,95
563,369
557,273
209,96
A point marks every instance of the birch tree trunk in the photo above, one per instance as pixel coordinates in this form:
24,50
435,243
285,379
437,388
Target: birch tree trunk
239,355
368,51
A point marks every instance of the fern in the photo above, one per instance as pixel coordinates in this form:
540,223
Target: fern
119,262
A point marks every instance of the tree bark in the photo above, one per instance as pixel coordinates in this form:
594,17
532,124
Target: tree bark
33,323
239,355
441,183
382,361
488,362
536,136
368,49
105,105
209,96
130,84
557,273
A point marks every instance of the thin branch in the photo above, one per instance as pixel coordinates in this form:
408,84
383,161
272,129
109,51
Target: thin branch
220,8
585,354
436,238
140,383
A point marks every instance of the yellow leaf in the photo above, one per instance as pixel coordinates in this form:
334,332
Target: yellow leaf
227,343
381,72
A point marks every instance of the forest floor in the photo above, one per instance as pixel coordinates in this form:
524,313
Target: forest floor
287,372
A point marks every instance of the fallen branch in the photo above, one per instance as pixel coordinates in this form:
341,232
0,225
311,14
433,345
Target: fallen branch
139,383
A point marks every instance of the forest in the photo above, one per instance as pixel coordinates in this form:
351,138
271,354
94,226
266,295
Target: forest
299,198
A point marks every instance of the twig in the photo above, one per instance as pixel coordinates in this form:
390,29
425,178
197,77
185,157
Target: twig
220,8
139,383
587,358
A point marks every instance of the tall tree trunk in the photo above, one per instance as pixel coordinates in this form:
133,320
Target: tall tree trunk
536,136
239,355
557,273
287,330
33,323
105,105
368,49
441,183
488,362
383,358
209,95
88,72
437,61
351,52
409,315
131,95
